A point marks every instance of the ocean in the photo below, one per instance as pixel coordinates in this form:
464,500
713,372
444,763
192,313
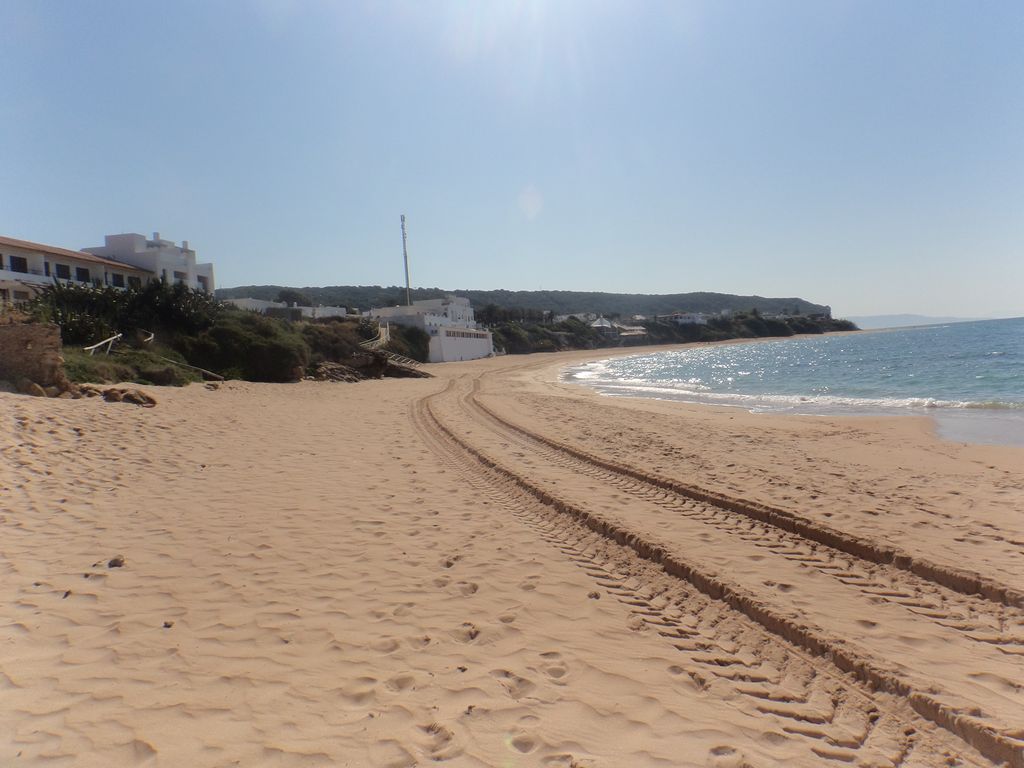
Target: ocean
968,376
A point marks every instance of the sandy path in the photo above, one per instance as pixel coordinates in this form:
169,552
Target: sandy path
346,585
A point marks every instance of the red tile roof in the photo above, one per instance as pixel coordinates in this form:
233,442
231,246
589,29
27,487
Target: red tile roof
80,255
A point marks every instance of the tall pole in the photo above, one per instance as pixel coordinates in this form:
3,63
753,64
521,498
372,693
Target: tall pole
405,255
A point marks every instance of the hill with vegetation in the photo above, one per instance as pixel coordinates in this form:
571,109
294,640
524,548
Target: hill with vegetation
555,302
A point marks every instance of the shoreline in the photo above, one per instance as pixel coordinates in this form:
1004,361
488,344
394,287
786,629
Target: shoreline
979,426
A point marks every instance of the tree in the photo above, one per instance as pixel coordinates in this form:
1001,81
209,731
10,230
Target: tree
291,296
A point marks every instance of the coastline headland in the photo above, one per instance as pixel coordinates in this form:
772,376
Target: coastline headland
493,565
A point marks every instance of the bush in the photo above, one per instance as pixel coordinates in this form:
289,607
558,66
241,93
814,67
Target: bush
144,366
410,341
332,339
244,345
87,314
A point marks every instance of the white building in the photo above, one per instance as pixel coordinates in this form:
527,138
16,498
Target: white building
167,261
262,305
684,318
454,334
26,267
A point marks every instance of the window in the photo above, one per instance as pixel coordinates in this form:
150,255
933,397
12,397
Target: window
21,295
82,274
117,280
180,277
46,268
203,283
134,282
63,271
19,264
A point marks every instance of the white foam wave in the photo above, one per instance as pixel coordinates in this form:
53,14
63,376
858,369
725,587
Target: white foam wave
766,402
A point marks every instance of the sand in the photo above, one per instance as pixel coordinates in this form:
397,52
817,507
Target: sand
493,568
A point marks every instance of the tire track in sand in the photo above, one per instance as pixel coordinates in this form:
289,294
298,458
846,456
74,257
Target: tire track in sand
981,620
724,651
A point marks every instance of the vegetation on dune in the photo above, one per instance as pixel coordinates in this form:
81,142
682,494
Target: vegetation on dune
244,345
143,366
194,328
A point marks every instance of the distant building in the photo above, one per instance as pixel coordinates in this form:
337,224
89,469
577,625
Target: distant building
684,318
630,333
265,307
25,267
583,317
454,333
162,258
605,327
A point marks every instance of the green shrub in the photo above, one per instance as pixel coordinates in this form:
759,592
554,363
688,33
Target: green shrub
410,341
248,346
332,339
87,314
144,366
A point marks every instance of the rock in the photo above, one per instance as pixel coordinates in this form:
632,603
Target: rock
116,562
35,390
328,371
113,395
168,624
52,391
138,397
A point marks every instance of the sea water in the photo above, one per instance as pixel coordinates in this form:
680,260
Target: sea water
969,376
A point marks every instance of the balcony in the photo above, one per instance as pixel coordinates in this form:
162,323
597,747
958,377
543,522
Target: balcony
28,276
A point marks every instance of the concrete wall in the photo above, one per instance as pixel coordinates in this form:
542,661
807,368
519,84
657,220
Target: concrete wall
31,351
452,344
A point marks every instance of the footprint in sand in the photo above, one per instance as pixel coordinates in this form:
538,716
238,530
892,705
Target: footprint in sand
528,584
522,743
401,682
391,754
467,633
359,691
514,685
726,757
554,668
438,742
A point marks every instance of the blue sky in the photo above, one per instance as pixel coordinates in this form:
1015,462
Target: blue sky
868,155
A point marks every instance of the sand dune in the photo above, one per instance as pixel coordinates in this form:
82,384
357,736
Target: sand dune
384,574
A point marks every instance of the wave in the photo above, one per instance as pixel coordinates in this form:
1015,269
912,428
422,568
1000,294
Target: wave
692,392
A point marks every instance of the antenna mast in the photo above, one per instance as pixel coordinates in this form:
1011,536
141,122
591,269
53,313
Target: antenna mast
405,255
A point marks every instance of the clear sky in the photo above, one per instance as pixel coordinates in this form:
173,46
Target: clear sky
867,155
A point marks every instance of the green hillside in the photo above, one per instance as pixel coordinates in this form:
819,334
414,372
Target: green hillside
557,302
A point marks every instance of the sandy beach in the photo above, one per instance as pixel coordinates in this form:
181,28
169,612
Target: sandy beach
495,568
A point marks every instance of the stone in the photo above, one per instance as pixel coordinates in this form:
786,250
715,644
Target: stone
116,562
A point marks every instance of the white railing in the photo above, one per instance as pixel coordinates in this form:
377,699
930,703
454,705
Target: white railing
398,359
109,342
383,337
